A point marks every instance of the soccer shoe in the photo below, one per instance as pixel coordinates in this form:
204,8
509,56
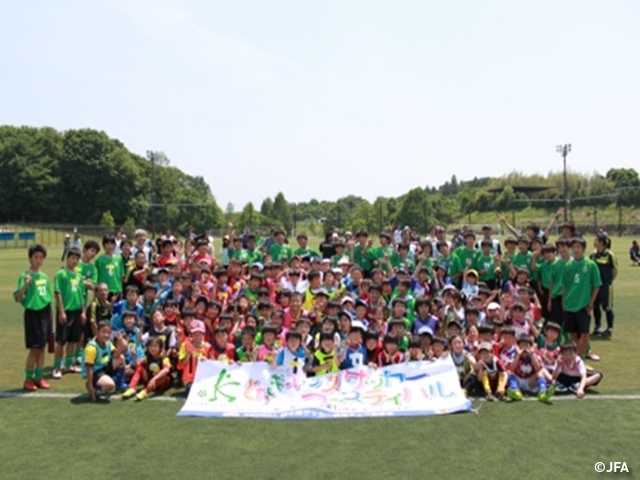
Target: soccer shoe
30,385
500,396
560,388
129,393
515,395
607,333
489,397
56,374
593,356
546,396
142,395
73,369
43,384
596,332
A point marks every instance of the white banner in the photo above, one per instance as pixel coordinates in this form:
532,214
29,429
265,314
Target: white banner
259,391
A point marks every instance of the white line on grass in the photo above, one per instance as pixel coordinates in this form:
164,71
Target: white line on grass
181,399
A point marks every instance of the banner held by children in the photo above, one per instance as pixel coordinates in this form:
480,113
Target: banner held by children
260,391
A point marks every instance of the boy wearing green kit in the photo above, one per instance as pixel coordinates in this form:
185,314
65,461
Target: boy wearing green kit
69,292
34,294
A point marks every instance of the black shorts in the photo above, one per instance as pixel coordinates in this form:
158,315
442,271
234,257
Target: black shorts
71,331
108,371
577,322
37,327
570,381
605,297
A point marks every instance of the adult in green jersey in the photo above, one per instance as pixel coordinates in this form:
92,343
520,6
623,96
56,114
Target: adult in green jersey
35,295
581,282
69,295
110,268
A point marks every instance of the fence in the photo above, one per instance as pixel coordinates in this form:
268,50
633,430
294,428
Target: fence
23,235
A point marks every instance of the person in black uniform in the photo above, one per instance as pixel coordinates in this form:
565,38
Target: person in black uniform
608,266
327,247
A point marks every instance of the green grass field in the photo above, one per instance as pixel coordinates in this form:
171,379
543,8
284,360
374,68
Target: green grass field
71,438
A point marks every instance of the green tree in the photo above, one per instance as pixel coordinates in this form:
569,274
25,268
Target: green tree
414,210
266,208
107,220
282,212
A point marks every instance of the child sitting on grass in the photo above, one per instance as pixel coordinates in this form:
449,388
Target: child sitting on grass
526,374
571,374
154,371
491,372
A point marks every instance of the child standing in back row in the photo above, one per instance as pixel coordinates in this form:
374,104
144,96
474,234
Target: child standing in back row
69,294
35,295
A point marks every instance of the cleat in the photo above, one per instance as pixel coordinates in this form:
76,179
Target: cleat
546,396
142,395
129,393
73,369
515,395
43,384
593,356
30,385
56,374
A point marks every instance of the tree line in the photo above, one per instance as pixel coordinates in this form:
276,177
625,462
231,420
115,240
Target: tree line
85,177
49,177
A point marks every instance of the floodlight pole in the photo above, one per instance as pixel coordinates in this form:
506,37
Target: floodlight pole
564,151
152,158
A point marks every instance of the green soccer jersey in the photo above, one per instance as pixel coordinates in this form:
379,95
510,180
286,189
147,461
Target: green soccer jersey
240,255
280,253
110,271
254,256
557,272
38,294
487,265
545,272
87,271
306,252
579,278
522,260
377,255
361,258
70,286
507,260
465,257
406,263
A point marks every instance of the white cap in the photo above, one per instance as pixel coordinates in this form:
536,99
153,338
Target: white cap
344,261
346,299
493,306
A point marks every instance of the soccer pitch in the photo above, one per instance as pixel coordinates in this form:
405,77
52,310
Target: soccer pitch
67,437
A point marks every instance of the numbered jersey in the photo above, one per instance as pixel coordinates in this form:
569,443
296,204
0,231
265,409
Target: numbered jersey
38,295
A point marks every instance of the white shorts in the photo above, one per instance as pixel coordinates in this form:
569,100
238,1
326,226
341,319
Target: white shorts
524,384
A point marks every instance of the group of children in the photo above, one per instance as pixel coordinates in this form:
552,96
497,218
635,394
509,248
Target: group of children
512,322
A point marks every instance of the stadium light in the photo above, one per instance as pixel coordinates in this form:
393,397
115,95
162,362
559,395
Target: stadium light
564,151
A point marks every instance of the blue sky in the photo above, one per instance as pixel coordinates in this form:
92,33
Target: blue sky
328,98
